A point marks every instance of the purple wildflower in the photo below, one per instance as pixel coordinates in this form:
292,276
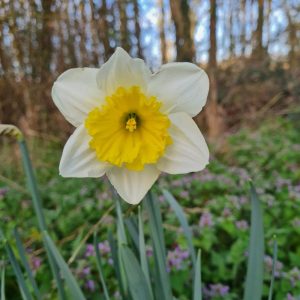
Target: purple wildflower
216,290
296,222
242,225
206,220
89,251
226,212
117,295
294,276
184,194
290,297
281,183
35,263
149,251
177,183
90,285
176,258
3,192
269,265
161,198
243,200
104,248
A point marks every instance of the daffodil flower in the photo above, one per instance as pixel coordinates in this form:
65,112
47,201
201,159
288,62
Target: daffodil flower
131,124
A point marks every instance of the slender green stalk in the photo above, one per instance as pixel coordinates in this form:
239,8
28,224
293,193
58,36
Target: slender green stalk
122,239
3,283
37,204
137,283
197,279
273,269
17,270
22,255
71,282
116,263
163,290
142,250
99,266
254,278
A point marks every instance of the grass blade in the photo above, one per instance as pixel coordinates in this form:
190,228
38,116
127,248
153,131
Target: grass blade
37,205
116,263
121,228
137,282
122,239
183,222
132,229
197,279
3,283
99,266
22,254
17,270
71,282
163,291
273,268
36,199
142,250
254,278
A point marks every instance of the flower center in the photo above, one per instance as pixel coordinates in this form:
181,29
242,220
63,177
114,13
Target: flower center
131,122
128,130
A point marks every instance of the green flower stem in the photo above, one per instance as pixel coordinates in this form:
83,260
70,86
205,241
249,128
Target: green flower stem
37,204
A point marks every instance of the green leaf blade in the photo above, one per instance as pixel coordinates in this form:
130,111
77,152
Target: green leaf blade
254,278
99,267
71,282
25,263
197,279
162,280
137,282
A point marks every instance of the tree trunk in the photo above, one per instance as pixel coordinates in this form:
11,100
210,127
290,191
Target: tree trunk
243,27
104,30
46,46
258,50
137,28
180,11
71,42
95,39
163,44
82,32
231,30
213,111
292,37
124,34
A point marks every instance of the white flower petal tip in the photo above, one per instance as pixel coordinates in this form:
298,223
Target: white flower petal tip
122,70
189,151
78,160
76,93
132,186
182,87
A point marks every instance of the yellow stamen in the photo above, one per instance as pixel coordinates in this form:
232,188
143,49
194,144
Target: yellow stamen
131,125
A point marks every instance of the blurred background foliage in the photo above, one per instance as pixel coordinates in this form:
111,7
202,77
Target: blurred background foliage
250,48
251,51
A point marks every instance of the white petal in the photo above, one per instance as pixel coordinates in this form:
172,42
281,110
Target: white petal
76,93
189,152
78,160
182,87
132,186
122,70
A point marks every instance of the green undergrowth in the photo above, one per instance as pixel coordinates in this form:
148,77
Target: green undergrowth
216,202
